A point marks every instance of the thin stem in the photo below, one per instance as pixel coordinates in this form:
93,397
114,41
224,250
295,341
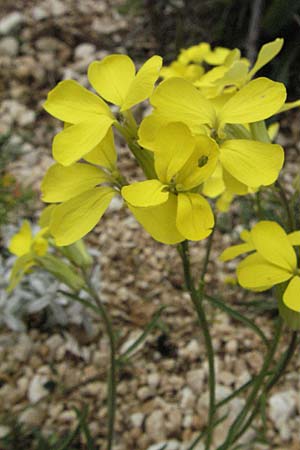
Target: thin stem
205,264
279,371
112,376
286,204
197,302
238,423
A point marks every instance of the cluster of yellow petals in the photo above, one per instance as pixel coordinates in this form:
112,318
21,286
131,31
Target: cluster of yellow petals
198,144
26,246
273,261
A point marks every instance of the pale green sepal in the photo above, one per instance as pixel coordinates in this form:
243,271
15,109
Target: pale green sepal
61,271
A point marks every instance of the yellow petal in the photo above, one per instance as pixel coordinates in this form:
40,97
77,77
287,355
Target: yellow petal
291,296
160,221
62,183
70,102
273,131
173,146
272,243
195,219
45,216
258,100
255,273
149,128
104,154
252,163
245,236
266,54
235,250
20,267
200,165
76,141
39,246
76,217
294,238
190,107
112,77
214,186
143,84
216,56
233,185
224,201
145,193
21,242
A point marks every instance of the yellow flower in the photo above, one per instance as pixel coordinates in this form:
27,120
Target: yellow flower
115,80
248,162
235,72
188,65
170,208
273,262
26,247
76,187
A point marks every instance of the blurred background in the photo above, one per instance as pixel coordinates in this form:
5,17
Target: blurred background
53,354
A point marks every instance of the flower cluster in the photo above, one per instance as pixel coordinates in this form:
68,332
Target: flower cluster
205,137
273,261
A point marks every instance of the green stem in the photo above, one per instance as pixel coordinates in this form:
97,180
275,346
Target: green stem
197,302
286,204
205,264
238,423
112,375
279,371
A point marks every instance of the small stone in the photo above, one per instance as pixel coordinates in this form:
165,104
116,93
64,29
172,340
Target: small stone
155,426
188,398
57,7
187,421
173,419
137,419
10,22
84,51
144,393
170,445
116,204
26,117
32,416
153,380
231,346
54,342
4,431
226,378
9,46
23,348
192,351
282,407
39,13
195,380
47,43
22,385
68,416
36,389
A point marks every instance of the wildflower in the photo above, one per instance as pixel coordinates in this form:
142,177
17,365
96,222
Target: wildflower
274,261
170,208
88,115
250,162
235,72
83,190
26,247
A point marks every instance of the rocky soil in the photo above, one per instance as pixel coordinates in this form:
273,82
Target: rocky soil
45,372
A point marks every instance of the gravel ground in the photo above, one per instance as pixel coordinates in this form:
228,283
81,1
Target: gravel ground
44,373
